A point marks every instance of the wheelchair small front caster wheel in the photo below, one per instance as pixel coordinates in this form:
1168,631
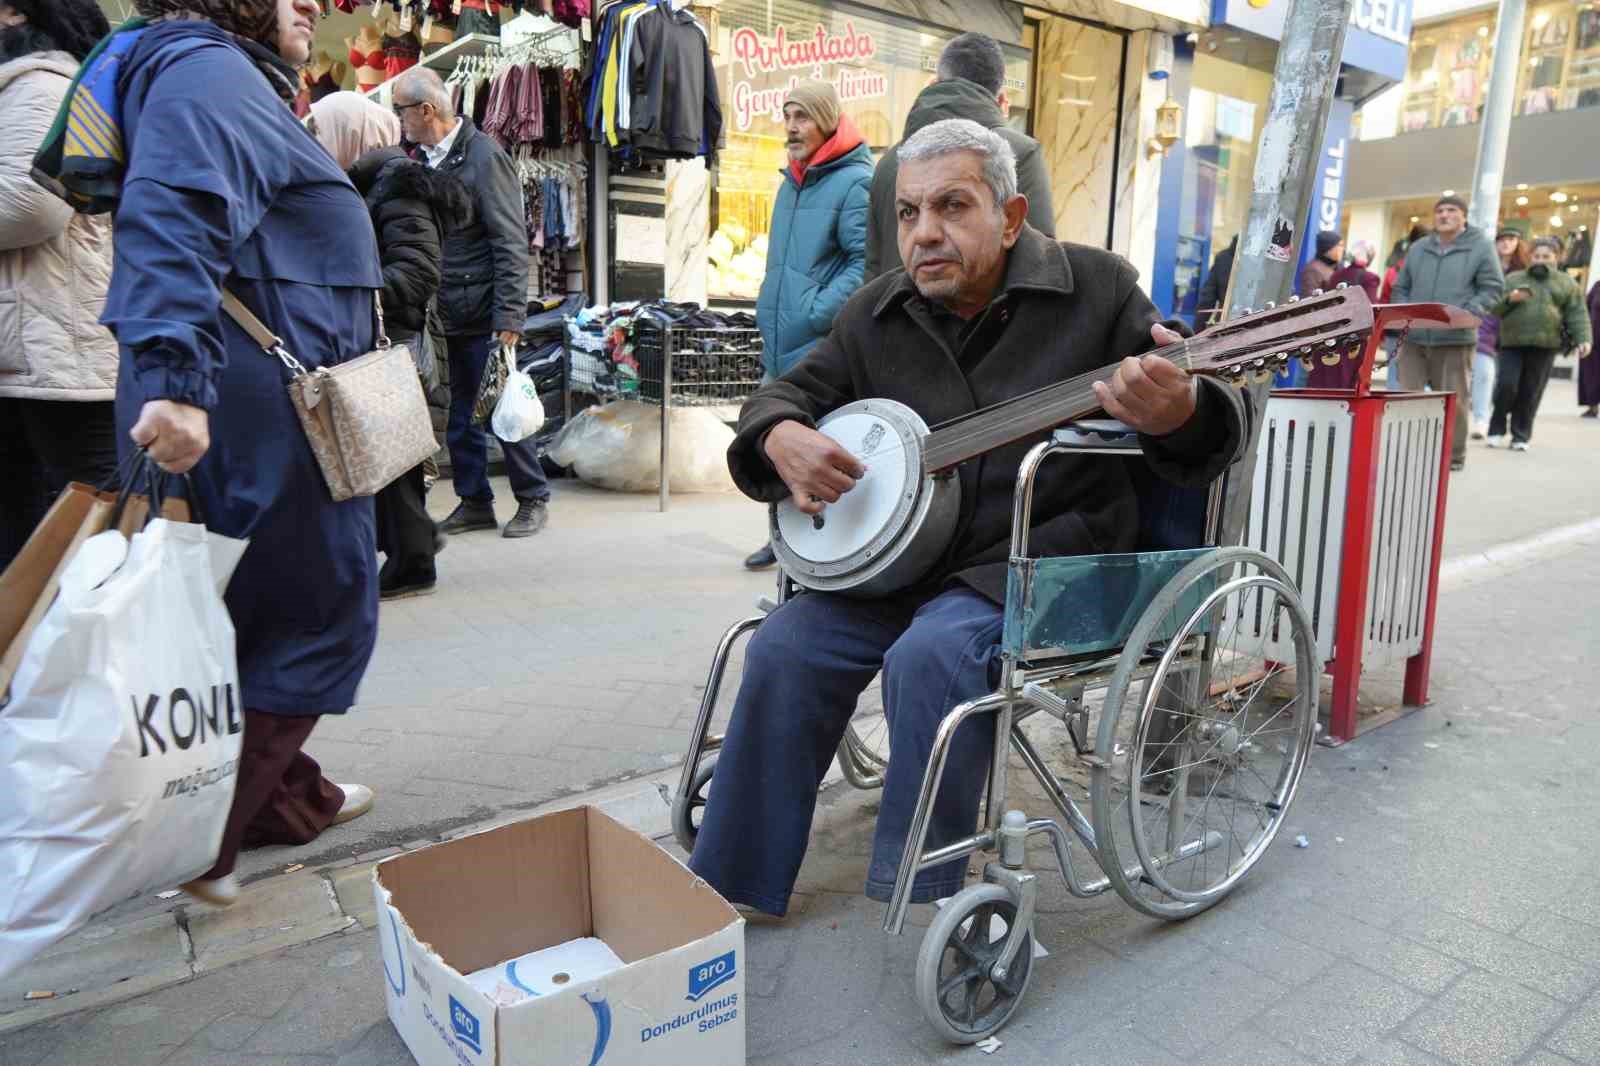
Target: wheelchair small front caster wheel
688,810
956,988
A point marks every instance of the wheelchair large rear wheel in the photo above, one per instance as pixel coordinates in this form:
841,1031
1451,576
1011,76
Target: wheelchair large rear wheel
1207,725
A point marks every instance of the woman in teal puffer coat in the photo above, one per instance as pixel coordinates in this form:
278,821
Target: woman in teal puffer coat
1541,314
816,252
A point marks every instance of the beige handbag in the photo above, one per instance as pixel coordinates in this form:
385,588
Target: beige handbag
367,419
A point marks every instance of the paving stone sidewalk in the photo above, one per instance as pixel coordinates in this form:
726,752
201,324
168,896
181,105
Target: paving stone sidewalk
1444,913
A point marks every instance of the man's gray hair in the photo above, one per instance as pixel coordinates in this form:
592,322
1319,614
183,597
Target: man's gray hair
423,86
964,135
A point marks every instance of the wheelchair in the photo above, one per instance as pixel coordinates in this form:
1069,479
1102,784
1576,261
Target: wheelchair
1186,680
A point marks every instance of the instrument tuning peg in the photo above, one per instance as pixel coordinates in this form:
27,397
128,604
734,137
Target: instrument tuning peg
1305,349
1244,312
1331,342
1332,359
1307,362
1295,298
1316,292
1271,304
1343,285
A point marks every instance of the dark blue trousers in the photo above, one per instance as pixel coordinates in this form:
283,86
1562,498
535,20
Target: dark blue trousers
804,669
469,444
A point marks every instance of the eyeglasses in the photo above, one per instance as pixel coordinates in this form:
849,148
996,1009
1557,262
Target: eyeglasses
400,109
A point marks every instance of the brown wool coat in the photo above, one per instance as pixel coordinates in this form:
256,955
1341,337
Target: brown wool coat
1063,309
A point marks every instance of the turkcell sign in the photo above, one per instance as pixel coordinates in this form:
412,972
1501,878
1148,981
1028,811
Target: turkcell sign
1327,193
1378,39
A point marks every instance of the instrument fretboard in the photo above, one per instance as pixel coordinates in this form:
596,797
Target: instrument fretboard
969,436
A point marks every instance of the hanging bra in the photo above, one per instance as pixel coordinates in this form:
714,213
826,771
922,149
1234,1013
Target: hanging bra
371,59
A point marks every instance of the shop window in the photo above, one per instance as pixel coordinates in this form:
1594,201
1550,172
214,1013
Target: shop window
878,64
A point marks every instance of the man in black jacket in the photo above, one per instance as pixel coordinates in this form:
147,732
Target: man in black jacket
483,298
972,77
991,309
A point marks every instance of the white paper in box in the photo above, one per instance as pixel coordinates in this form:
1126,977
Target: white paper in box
474,904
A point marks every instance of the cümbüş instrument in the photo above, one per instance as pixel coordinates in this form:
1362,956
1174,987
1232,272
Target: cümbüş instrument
896,523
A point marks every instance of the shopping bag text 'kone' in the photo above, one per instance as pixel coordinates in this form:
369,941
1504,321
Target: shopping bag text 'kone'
196,716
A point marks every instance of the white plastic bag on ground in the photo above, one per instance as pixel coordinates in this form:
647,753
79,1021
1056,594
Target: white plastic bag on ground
618,447
119,748
518,414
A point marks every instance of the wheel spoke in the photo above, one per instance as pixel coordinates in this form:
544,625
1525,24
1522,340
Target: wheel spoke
951,983
974,990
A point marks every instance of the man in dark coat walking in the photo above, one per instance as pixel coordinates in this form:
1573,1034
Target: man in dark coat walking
483,299
971,85
990,309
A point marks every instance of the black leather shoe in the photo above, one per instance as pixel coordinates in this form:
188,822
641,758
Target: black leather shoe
403,590
761,559
532,516
467,517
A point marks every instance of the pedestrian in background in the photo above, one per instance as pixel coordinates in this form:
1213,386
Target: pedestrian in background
58,365
1589,369
1541,314
1319,272
971,84
1513,255
1455,264
1346,372
223,187
817,249
1214,290
483,299
413,210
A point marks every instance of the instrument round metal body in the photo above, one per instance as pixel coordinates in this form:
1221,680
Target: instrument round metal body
889,530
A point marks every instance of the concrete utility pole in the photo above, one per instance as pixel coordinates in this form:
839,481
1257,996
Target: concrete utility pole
1303,85
1494,129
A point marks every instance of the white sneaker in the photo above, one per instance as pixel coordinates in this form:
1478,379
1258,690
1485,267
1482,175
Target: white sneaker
219,891
357,801
1519,445
1480,430
1496,442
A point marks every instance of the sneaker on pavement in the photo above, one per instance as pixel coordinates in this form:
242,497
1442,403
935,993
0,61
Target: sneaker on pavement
403,590
1480,430
1496,442
761,559
219,891
532,516
357,801
1519,445
467,517
1458,465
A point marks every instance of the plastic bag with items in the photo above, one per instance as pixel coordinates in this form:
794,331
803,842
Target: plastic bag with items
618,447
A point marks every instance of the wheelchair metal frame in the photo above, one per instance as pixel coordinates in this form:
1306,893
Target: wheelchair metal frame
1055,682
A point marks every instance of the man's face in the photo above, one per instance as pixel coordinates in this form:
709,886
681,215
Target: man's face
803,135
1543,255
953,237
1448,220
297,26
416,119
1336,253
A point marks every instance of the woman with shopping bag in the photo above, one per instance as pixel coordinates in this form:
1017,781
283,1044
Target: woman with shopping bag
221,189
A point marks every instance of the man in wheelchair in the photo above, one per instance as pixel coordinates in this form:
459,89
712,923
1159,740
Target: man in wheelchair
987,309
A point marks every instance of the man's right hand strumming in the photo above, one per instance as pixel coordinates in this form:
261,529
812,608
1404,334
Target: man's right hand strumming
817,468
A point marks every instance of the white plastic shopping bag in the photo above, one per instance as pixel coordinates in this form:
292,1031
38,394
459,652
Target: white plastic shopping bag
120,745
518,414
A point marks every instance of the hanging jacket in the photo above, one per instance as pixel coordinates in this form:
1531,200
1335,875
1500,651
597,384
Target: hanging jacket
413,210
1465,274
674,109
956,98
55,264
1556,303
816,249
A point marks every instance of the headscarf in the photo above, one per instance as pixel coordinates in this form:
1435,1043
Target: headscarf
256,20
71,26
819,100
253,24
1362,252
349,126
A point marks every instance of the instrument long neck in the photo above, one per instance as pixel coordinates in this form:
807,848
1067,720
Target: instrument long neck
993,427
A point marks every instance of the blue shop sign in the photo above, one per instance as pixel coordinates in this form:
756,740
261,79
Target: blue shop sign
1378,39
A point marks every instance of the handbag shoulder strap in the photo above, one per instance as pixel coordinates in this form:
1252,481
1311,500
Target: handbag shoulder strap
270,342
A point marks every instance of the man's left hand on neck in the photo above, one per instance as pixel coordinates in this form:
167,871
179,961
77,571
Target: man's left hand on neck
1151,393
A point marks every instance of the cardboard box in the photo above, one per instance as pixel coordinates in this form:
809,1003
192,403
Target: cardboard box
480,901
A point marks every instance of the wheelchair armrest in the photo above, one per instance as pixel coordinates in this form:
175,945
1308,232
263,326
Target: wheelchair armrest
1103,435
